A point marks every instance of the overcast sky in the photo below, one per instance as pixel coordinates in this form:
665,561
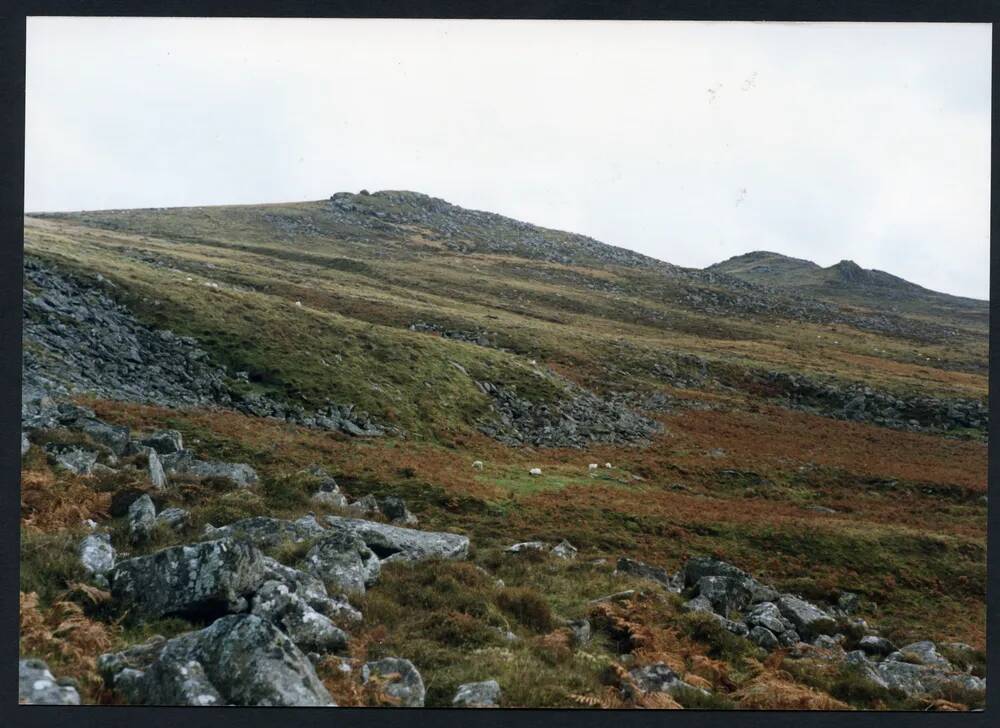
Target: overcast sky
690,142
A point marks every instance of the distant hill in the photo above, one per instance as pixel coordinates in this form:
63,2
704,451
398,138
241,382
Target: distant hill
848,283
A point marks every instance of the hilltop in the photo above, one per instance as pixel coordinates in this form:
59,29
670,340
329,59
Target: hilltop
484,450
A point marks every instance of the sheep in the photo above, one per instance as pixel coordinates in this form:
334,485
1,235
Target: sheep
535,471
477,464
607,465
592,467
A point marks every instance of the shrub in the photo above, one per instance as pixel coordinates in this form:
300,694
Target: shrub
527,607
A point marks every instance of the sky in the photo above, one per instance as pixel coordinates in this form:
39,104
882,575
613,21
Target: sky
690,142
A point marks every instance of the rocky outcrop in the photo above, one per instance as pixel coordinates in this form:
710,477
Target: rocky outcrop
576,419
97,556
183,462
238,660
200,580
402,544
37,686
342,560
265,532
309,629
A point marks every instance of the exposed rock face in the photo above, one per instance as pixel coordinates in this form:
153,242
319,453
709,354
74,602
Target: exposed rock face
874,645
238,660
930,680
726,593
114,438
184,463
78,339
311,590
407,688
309,630
174,518
72,459
205,579
577,419
97,556
403,544
341,559
37,686
477,695
157,476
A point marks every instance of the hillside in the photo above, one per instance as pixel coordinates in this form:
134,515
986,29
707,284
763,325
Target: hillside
336,407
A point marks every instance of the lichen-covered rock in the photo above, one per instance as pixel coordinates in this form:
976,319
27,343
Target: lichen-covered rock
764,637
157,476
37,686
164,441
72,459
174,518
267,533
701,566
312,590
564,550
767,615
927,680
926,652
365,506
309,630
237,660
403,544
198,580
394,508
726,593
477,695
659,678
874,645
97,556
809,620
342,560
406,686
141,519
113,437
183,462
580,631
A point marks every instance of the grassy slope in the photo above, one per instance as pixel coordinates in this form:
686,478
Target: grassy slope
909,535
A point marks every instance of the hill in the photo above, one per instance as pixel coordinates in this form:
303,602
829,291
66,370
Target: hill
382,393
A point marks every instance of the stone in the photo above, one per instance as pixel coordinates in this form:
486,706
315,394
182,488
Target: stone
526,546
698,604
331,500
726,593
764,637
808,619
141,519
564,550
659,678
157,477
701,566
311,590
927,680
74,460
848,602
238,660
645,571
874,645
926,652
36,685
114,438
183,462
309,630
97,556
174,518
477,695
341,560
859,662
365,506
394,508
767,615
25,443
405,685
198,580
164,441
266,533
403,544
580,631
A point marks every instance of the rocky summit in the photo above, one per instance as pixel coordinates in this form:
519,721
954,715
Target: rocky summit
381,450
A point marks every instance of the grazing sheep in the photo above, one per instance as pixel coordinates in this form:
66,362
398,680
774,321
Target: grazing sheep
535,471
607,465
477,464
592,467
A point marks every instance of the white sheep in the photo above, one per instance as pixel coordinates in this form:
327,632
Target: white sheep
535,471
477,464
607,465
592,467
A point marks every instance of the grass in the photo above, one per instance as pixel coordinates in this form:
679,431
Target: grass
732,475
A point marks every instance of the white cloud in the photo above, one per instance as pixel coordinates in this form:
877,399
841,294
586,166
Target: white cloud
868,142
